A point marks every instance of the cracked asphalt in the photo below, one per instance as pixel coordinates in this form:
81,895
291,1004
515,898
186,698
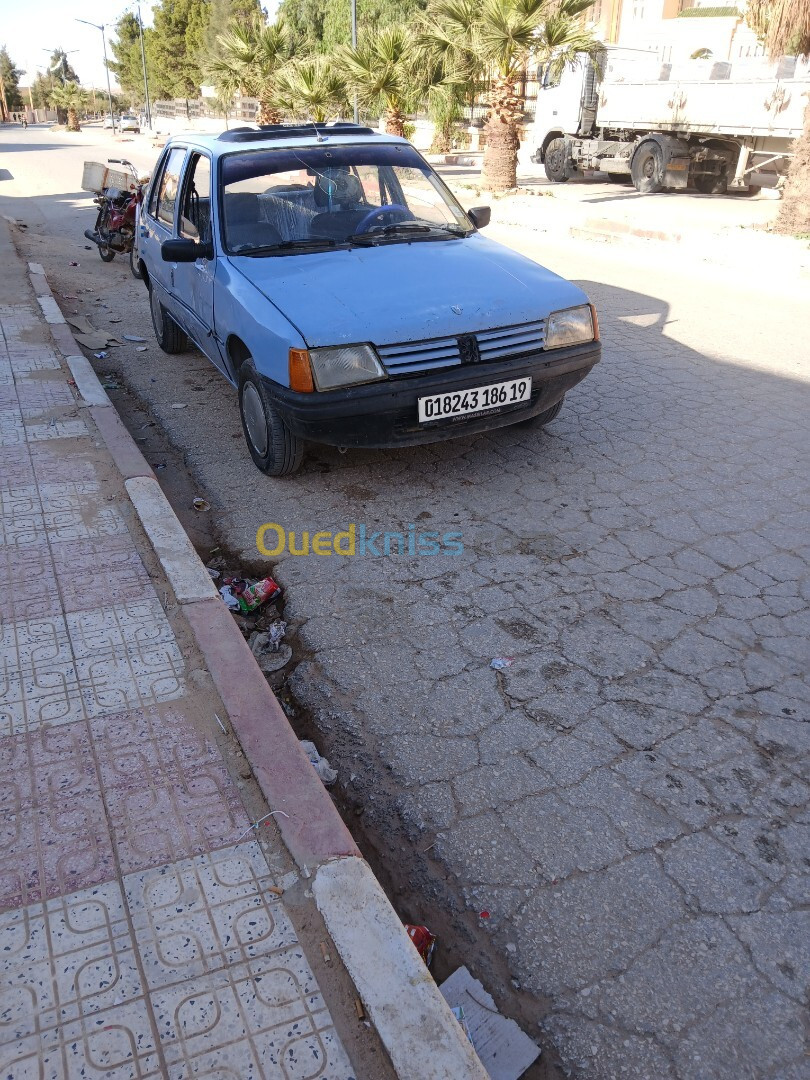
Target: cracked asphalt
628,801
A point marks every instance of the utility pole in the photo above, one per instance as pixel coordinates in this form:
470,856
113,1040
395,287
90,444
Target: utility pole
354,46
145,80
104,47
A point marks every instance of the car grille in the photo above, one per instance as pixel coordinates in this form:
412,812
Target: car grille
412,357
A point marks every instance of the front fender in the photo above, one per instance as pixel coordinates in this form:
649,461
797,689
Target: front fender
241,311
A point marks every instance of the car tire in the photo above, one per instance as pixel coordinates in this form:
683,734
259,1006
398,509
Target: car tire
546,417
554,161
647,169
168,334
273,447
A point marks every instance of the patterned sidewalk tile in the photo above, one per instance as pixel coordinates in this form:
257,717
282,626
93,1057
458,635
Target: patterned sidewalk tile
54,849
98,662
67,428
201,915
264,1018
28,586
168,793
109,566
71,999
51,466
78,511
12,432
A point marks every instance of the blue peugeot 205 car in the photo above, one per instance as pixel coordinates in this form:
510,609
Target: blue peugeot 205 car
332,277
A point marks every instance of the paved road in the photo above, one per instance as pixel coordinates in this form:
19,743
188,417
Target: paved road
628,801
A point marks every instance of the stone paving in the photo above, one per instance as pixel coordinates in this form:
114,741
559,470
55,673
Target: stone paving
138,934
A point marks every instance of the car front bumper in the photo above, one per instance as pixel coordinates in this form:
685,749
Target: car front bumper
384,414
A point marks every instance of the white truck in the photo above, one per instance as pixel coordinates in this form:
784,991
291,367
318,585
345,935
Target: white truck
702,124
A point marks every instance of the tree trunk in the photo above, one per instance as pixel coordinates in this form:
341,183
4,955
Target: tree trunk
395,122
73,120
503,143
268,114
794,213
442,138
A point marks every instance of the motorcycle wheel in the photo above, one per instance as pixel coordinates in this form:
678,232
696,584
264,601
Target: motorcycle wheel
133,264
107,254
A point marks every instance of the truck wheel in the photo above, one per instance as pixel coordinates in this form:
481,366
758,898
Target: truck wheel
711,184
647,169
273,447
555,161
168,334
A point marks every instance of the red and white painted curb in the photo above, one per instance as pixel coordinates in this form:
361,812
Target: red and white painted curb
423,1038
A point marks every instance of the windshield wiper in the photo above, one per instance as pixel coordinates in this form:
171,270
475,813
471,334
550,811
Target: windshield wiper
287,245
402,228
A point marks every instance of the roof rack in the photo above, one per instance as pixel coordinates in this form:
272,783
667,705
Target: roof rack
293,131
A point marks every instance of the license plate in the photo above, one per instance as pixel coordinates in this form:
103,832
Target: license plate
477,400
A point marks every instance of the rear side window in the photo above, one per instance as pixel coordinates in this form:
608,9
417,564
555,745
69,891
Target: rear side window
169,186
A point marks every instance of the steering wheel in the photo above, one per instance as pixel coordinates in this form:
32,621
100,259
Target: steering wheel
383,215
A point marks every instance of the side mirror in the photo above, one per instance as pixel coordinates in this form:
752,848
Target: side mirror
185,251
479,216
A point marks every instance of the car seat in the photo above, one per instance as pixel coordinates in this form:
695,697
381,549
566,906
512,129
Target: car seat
244,225
342,194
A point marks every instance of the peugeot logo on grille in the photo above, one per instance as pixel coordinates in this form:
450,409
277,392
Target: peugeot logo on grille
468,349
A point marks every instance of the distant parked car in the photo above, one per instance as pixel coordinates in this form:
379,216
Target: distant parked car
130,123
109,122
333,278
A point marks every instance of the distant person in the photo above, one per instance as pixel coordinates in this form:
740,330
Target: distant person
24,122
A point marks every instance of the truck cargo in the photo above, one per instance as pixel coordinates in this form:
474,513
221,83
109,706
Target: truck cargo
711,125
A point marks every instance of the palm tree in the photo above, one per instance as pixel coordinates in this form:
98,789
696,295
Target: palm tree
501,37
451,74
72,99
311,89
383,71
784,26
250,55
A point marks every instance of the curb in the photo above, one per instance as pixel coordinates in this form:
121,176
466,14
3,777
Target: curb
422,1037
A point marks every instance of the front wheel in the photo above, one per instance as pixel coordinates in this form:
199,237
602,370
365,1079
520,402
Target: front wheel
554,161
647,169
169,335
546,417
273,447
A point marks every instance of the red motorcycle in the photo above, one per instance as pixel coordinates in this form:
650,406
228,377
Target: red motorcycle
118,212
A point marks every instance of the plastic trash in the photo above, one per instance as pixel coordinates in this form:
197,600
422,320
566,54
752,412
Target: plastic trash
501,662
253,596
321,766
100,355
201,504
424,941
133,337
227,594
179,405
215,574
141,348
268,648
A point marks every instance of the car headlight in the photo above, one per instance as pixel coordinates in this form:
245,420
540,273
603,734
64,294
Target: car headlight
570,327
344,366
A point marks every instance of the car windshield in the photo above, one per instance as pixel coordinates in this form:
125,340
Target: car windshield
291,201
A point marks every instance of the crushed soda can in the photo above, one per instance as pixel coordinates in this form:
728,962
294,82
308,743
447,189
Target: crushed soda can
253,596
424,941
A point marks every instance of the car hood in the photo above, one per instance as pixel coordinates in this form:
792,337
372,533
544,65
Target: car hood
407,292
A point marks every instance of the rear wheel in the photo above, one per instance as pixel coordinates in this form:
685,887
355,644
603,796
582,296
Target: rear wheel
168,334
107,254
273,447
647,169
554,161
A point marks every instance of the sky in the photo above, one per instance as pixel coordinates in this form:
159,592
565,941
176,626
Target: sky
28,25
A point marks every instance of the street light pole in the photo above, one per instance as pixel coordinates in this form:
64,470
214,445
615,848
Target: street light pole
354,46
107,70
145,80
